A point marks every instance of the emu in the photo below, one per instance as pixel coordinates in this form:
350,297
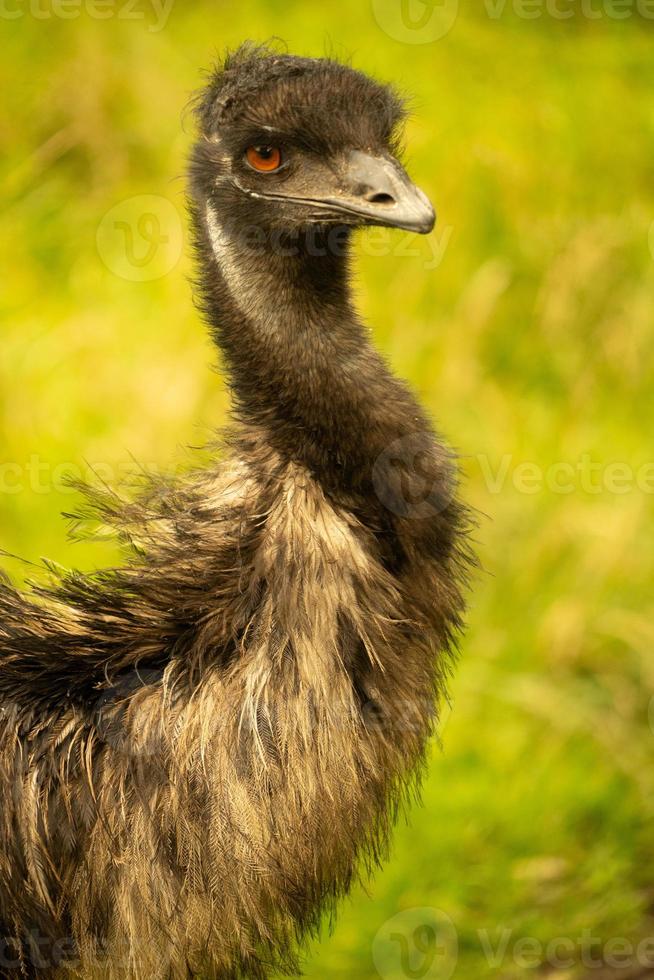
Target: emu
201,750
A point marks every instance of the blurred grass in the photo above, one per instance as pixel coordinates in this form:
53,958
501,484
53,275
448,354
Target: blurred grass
531,343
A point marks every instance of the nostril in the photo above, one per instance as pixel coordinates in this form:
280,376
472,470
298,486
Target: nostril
380,198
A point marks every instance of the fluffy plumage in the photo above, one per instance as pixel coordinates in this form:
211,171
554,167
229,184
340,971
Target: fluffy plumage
200,750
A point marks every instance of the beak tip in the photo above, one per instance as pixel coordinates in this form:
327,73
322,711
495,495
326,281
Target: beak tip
427,219
415,212
428,224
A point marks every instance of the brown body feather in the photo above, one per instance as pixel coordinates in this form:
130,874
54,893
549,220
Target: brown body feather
199,751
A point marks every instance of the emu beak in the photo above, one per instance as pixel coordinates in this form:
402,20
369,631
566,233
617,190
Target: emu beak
379,190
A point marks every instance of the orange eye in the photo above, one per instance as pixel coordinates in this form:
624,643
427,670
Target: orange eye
265,159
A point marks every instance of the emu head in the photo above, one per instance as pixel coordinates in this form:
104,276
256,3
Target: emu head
289,143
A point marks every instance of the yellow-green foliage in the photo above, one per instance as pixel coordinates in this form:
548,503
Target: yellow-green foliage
525,323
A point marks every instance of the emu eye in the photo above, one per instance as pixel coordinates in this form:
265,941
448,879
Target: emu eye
265,159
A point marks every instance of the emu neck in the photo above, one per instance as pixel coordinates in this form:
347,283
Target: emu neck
300,361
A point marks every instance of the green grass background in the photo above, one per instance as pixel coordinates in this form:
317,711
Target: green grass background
531,342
